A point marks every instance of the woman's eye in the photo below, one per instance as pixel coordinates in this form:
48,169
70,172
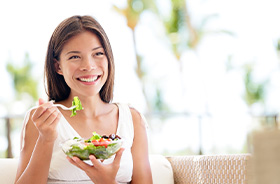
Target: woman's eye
99,53
74,57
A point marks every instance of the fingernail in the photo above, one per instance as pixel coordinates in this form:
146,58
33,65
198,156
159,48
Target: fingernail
91,157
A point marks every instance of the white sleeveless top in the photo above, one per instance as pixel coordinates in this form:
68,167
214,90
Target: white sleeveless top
62,171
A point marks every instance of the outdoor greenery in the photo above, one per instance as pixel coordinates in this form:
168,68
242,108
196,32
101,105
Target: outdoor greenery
183,34
255,92
132,14
23,81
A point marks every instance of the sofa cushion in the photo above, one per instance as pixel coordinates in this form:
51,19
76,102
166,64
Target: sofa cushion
161,170
8,169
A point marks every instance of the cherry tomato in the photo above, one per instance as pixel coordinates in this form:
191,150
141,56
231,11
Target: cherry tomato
104,142
95,142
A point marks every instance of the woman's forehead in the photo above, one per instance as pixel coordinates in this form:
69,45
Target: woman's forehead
81,42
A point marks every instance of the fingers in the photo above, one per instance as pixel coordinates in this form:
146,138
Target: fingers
45,118
46,112
79,163
41,109
56,119
41,101
73,162
49,115
98,163
94,161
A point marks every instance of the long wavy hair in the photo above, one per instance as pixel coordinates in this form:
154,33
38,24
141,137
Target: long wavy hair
55,85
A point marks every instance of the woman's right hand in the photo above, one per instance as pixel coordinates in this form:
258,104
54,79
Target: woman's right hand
99,172
45,119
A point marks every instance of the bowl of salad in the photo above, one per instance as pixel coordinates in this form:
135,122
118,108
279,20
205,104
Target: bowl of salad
102,147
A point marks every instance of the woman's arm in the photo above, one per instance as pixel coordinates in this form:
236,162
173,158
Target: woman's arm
141,165
40,134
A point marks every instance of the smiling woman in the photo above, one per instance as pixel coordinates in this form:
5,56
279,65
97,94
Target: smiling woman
84,65
80,63
75,50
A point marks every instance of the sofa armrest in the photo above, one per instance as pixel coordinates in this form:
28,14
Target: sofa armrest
8,169
161,170
228,169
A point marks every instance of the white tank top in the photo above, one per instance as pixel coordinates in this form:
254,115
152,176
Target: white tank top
62,171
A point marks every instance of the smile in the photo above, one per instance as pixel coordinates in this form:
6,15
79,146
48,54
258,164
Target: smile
89,79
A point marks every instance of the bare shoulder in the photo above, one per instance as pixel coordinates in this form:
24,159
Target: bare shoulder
140,126
137,117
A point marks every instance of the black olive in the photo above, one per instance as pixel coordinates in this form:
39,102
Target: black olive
112,136
105,137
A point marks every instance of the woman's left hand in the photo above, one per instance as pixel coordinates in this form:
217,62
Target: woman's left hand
99,173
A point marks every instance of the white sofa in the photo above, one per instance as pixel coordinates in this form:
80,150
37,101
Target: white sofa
220,169
161,170
8,168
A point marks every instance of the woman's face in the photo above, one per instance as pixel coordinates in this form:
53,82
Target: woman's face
83,64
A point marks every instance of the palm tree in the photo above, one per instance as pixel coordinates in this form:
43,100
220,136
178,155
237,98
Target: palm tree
184,35
132,14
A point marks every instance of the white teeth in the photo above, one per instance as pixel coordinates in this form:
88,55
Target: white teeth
88,79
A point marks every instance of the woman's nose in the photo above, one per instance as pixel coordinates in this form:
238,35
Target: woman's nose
88,64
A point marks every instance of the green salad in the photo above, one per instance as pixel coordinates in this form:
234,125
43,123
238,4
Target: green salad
102,147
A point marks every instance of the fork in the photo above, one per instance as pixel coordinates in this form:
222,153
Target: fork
63,107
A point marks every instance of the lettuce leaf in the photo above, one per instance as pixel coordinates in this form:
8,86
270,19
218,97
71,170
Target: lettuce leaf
76,102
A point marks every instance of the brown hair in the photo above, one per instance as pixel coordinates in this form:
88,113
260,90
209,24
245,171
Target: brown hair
56,87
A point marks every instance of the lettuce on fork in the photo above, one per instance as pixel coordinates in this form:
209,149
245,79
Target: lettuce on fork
76,102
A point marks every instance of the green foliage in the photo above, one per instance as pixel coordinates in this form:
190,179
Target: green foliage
181,30
23,81
278,45
176,27
134,9
158,103
177,17
254,92
132,13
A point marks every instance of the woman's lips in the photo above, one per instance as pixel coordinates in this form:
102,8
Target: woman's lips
89,79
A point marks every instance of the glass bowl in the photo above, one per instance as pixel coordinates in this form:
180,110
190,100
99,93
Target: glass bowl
82,149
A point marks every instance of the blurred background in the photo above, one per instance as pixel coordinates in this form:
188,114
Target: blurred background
200,71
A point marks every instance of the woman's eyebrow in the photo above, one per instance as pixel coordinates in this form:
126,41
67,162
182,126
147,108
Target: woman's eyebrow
96,48
77,52
72,52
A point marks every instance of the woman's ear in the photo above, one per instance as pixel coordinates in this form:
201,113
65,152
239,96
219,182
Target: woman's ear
57,67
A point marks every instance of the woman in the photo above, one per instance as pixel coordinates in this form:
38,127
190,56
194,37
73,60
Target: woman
80,63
